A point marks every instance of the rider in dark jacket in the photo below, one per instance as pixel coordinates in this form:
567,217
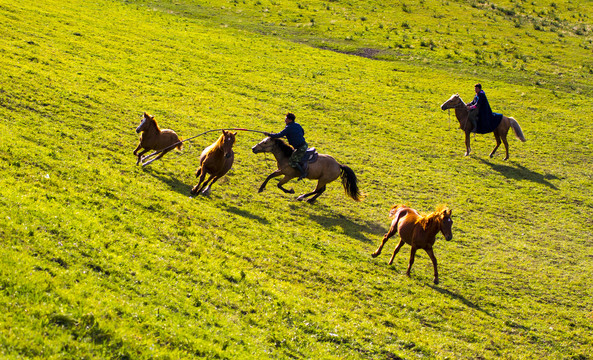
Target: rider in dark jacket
295,135
479,108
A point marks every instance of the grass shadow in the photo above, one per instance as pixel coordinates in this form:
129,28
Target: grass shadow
247,214
520,172
173,183
461,298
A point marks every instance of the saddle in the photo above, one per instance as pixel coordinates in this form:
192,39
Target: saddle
310,156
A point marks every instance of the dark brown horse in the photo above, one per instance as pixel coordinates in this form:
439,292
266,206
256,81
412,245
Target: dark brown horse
418,231
153,138
216,160
325,170
500,133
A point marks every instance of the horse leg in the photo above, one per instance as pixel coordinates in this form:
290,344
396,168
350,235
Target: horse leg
434,264
283,181
318,192
412,256
506,146
205,185
207,189
319,189
399,246
139,155
272,175
390,233
468,148
194,190
137,148
497,137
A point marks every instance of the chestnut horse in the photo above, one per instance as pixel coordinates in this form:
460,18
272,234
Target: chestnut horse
500,133
417,231
216,160
325,170
153,138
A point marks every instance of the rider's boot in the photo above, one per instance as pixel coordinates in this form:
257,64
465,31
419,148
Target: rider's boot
302,171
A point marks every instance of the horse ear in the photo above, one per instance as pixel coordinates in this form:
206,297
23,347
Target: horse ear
146,115
235,134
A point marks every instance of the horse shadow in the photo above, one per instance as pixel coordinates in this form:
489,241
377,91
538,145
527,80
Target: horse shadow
520,172
171,181
246,214
354,230
461,298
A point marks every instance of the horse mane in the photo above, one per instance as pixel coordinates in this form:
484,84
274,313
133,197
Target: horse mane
437,215
286,149
219,141
215,145
153,120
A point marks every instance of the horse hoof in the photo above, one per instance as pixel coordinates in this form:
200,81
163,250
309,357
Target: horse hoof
436,281
260,190
311,201
291,191
301,198
375,255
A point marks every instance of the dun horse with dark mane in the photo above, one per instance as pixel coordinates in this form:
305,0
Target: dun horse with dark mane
418,231
153,138
216,160
325,170
500,133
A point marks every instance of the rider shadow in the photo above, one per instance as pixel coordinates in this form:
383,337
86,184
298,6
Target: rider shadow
247,214
461,298
172,182
522,173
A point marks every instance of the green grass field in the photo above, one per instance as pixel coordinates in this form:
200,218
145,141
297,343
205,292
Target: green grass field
102,259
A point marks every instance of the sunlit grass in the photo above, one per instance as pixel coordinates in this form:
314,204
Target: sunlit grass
103,259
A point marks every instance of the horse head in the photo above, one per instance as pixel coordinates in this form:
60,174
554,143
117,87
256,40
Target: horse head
146,122
266,145
227,143
446,223
453,102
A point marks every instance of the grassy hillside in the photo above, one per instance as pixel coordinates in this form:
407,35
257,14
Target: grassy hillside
103,259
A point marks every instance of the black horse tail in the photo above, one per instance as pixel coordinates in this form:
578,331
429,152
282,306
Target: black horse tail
350,183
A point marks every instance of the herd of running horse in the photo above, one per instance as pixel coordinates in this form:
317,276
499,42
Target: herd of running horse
419,231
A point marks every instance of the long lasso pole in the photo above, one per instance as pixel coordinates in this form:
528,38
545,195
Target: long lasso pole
193,137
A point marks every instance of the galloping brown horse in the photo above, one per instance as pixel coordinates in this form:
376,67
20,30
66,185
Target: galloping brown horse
325,170
153,138
216,160
500,132
417,231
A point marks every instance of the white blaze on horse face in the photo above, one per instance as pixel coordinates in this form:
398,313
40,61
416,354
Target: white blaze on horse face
141,124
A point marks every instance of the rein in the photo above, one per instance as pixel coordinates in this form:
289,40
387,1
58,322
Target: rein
193,137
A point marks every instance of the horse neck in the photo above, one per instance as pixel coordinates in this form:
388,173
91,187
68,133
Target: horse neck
461,113
152,128
432,225
216,147
280,157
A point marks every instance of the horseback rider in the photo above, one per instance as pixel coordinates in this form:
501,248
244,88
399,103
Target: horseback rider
295,135
479,109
